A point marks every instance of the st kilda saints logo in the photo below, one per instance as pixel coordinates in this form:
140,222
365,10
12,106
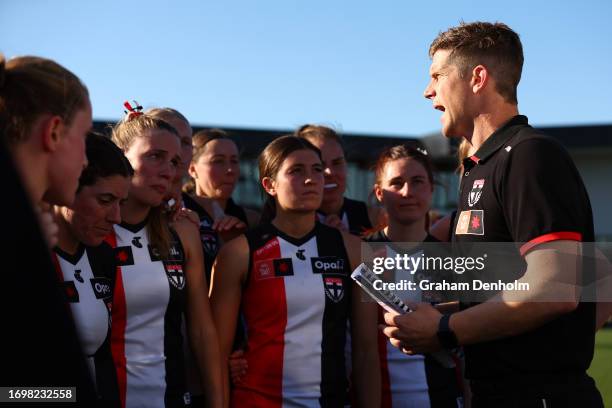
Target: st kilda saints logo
475,192
175,274
334,288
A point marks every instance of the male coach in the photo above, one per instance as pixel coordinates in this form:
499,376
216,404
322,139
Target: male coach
520,186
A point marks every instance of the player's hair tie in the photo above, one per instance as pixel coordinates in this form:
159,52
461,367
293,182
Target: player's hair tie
132,111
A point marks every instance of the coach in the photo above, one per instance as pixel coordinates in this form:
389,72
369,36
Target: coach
520,186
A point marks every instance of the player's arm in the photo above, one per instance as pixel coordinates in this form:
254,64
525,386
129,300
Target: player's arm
228,275
552,269
364,336
200,327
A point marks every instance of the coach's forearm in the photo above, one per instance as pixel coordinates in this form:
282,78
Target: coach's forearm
497,319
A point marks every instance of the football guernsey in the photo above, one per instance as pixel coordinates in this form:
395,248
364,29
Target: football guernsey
296,303
86,279
148,304
208,236
354,216
416,381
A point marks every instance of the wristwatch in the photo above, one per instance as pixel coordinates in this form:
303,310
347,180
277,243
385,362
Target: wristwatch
446,336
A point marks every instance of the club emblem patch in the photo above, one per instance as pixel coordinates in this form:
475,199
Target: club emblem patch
334,288
475,192
283,267
263,270
175,274
124,256
209,242
470,222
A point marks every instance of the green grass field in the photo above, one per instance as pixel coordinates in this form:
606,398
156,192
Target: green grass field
601,368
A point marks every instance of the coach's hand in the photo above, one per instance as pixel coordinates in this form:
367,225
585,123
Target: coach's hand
414,332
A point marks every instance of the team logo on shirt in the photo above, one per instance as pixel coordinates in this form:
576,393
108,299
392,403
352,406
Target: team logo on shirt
263,270
334,288
101,288
124,256
470,222
70,291
175,274
209,242
283,267
475,192
327,264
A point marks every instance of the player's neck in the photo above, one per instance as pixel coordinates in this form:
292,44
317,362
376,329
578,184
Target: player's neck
222,202
413,232
33,178
295,225
66,241
486,123
134,212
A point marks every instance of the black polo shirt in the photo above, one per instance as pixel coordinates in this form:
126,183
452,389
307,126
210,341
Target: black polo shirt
522,186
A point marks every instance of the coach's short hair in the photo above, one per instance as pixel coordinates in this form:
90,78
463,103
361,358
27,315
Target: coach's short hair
494,45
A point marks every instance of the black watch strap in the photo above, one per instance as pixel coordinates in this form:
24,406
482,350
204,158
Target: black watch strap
446,336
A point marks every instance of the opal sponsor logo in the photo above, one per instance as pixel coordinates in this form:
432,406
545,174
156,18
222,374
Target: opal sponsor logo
101,287
327,264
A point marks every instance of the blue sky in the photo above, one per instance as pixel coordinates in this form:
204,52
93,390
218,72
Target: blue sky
359,66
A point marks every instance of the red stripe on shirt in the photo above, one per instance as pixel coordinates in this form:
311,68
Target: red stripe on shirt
553,236
264,306
118,314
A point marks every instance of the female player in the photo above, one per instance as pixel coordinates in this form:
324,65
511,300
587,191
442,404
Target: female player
291,279
336,210
404,187
159,279
45,114
84,263
215,170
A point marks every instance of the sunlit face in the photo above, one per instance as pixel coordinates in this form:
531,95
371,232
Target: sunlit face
450,94
405,191
96,209
185,133
155,158
298,185
217,170
68,160
334,165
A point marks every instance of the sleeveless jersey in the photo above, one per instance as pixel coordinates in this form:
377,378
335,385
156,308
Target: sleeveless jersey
148,305
354,216
208,237
86,279
296,304
417,381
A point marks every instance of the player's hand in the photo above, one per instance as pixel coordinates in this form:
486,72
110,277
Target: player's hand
185,213
228,227
238,366
414,332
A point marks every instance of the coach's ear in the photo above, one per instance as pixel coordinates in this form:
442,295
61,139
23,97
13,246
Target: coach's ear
269,185
378,193
480,78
